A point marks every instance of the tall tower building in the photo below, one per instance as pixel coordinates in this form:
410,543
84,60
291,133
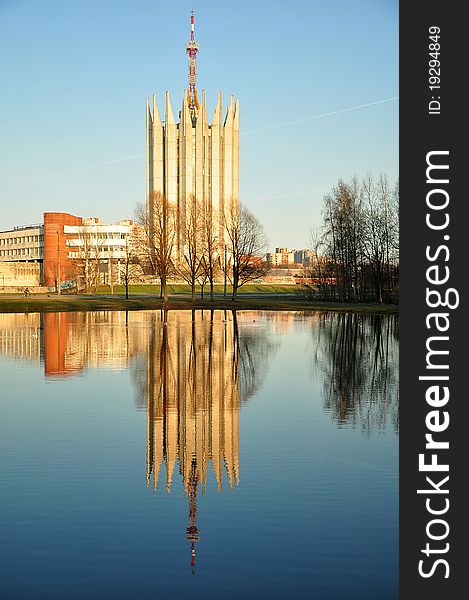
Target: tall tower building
193,159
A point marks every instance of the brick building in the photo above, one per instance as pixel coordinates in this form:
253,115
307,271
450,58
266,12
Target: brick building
57,263
42,254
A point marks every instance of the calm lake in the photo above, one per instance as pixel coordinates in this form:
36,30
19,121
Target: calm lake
198,455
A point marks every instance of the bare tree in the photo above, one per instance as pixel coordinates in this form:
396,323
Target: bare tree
375,232
211,248
318,268
394,239
247,242
361,239
191,264
87,258
343,232
130,268
202,279
160,237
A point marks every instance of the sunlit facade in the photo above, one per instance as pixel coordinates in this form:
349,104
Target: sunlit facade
193,159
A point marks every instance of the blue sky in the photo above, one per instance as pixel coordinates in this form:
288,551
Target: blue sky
317,83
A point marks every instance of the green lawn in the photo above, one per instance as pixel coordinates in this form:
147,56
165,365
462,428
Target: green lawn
184,288
147,297
118,302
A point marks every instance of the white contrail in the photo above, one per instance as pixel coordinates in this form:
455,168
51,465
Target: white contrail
84,168
133,156
101,164
321,115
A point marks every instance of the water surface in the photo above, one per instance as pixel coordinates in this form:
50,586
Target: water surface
198,454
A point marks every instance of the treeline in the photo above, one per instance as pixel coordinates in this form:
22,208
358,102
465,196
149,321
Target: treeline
195,243
357,248
199,245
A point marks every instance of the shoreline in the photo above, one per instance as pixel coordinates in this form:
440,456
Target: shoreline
18,304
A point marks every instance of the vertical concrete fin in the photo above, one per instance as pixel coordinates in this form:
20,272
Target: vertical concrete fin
156,114
217,115
228,154
149,119
206,151
158,151
236,116
186,174
203,113
229,113
186,115
169,117
216,168
235,189
149,154
199,152
170,155
182,114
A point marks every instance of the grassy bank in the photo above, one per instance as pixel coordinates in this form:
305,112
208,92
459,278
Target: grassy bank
184,288
148,302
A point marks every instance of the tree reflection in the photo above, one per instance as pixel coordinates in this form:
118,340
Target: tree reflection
358,355
255,349
198,368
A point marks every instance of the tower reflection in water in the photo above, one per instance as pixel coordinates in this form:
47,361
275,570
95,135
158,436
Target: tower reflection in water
193,403
191,370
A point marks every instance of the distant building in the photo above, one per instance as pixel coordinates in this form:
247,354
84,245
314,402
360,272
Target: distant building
281,257
22,244
21,256
304,257
41,254
68,343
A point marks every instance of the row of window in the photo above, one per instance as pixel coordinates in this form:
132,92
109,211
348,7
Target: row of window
92,235
24,239
98,253
20,252
109,236
24,271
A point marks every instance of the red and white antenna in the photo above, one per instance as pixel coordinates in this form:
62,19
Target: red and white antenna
192,48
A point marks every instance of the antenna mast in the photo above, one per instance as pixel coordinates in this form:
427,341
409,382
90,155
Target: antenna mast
192,47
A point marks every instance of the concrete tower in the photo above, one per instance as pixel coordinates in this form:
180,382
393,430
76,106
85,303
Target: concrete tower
193,160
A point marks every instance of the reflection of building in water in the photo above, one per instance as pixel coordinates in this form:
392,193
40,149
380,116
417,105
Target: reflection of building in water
20,336
74,341
198,368
56,336
193,402
286,322
69,342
